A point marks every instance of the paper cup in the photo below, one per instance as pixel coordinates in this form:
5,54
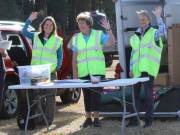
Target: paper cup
95,79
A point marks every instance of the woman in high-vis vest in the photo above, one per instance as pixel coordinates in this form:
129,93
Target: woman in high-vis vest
88,61
47,49
145,59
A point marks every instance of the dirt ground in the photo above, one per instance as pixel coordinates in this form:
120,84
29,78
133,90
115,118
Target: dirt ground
68,119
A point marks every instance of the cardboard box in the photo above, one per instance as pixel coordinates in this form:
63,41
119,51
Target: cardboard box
174,55
162,79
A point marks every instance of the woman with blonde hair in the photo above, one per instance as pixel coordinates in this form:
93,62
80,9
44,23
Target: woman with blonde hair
89,63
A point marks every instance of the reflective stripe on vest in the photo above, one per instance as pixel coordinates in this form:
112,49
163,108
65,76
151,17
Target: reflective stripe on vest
152,58
151,46
46,54
44,59
90,59
146,55
53,50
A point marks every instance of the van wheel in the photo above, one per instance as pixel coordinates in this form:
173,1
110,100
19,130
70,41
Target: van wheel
71,96
9,102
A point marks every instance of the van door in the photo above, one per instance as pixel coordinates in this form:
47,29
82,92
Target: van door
171,12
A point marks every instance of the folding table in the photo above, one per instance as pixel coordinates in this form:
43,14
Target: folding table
75,84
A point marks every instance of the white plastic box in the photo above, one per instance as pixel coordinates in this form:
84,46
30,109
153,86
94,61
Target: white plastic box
34,74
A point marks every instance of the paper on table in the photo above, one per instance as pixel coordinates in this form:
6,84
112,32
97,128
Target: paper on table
44,84
5,44
70,81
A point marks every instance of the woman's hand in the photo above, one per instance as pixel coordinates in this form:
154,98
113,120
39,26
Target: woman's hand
157,11
2,51
130,74
105,24
33,16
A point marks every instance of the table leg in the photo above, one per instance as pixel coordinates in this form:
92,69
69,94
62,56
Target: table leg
29,110
42,113
124,112
134,105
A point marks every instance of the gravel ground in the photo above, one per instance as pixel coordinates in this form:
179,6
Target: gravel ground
68,119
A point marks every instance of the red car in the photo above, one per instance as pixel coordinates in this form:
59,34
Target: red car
20,55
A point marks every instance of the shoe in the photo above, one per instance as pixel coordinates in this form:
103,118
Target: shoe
87,122
97,123
133,123
147,124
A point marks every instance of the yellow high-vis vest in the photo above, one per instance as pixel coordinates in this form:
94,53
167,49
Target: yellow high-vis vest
46,54
90,58
145,55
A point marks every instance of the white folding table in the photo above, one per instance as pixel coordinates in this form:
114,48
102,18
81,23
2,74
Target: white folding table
116,83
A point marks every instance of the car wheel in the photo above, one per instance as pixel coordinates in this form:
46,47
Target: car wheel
9,102
71,95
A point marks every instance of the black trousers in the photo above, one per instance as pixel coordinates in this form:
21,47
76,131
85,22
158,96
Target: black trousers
148,90
2,77
92,98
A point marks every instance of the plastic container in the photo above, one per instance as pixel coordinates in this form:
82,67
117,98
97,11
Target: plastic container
34,74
